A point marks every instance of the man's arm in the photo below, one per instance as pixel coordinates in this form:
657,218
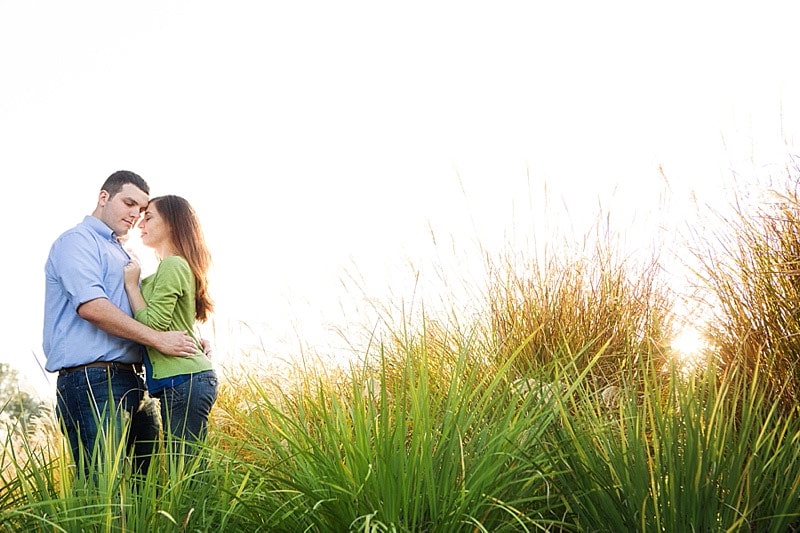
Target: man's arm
111,319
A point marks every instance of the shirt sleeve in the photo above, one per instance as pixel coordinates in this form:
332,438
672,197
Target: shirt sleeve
169,283
80,268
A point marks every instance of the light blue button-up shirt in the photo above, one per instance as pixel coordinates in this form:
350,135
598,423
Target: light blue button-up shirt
85,263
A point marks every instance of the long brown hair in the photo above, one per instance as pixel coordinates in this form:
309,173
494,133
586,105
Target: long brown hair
187,237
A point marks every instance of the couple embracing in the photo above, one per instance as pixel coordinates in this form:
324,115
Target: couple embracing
113,338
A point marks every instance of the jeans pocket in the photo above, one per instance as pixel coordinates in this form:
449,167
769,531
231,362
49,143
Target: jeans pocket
207,379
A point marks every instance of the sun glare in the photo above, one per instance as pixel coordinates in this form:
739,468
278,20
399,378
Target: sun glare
688,347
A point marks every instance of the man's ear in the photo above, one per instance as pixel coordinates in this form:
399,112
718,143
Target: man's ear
103,198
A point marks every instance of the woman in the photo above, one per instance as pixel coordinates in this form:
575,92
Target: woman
174,298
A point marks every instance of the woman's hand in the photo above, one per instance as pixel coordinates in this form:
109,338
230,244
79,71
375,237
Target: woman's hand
131,272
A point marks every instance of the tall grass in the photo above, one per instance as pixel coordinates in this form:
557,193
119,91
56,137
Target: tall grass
561,408
579,300
48,493
751,274
416,452
686,464
472,454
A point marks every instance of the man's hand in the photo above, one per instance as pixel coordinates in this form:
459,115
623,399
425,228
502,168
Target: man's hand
113,320
177,343
206,344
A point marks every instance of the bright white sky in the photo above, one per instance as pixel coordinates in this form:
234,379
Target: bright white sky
323,139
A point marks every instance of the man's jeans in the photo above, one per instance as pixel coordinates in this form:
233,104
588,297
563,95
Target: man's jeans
185,408
98,401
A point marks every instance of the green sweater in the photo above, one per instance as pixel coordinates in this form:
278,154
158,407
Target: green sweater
169,294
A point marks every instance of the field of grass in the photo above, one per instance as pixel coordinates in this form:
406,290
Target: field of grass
561,407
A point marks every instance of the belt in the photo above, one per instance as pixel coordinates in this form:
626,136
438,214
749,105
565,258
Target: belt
123,367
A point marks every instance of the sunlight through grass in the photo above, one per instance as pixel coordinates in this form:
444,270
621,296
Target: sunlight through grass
690,349
574,399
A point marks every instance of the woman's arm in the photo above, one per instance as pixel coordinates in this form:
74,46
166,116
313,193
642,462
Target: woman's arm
132,271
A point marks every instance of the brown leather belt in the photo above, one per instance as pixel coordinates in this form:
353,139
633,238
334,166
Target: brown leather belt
123,367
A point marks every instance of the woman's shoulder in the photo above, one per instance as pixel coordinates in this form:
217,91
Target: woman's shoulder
174,261
174,266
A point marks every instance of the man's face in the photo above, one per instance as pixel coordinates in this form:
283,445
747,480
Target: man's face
121,211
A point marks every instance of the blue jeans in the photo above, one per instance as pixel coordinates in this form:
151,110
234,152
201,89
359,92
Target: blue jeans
185,408
94,401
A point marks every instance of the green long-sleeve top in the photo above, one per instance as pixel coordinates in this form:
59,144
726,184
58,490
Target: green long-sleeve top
169,295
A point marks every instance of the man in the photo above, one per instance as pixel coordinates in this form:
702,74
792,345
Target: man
90,337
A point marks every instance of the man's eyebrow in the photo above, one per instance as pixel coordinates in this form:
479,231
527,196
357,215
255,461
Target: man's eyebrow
132,200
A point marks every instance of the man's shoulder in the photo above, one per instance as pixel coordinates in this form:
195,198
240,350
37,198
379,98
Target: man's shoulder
80,227
78,237
78,233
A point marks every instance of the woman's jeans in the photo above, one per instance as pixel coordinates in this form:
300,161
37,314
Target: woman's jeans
185,408
99,401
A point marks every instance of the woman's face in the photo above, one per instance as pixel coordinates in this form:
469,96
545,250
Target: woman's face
154,230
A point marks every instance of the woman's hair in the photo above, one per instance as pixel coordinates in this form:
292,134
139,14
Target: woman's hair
187,237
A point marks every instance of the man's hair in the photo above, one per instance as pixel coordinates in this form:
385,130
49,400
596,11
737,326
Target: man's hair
115,181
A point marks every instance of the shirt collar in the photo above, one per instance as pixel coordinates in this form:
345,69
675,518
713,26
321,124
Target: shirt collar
100,228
